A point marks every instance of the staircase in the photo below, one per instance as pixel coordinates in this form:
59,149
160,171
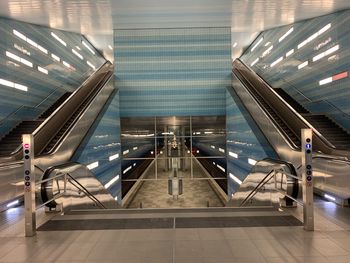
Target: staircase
324,125
11,141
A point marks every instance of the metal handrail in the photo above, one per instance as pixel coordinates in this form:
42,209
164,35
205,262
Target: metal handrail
78,186
256,189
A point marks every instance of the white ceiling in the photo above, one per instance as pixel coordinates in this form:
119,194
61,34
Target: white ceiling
97,18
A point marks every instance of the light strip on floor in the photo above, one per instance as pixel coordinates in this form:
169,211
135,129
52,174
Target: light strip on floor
88,47
113,157
114,179
58,39
234,178
13,203
286,34
92,165
257,44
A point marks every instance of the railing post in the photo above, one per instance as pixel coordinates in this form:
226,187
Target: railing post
29,185
307,179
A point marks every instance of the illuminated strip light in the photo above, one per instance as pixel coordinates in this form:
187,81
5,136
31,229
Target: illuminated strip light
11,84
135,148
113,157
57,58
88,47
13,203
254,62
77,54
268,43
66,64
312,37
325,53
212,146
90,64
221,150
134,164
251,161
234,178
58,39
257,44
234,155
221,168
29,41
77,47
267,51
127,169
234,45
110,47
92,165
114,179
329,197
116,198
125,152
19,59
276,62
303,65
336,77
208,132
286,34
290,52
43,70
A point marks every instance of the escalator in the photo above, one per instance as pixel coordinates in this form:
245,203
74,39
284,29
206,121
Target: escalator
57,132
281,118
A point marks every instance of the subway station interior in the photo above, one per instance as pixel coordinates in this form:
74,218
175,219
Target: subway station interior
175,131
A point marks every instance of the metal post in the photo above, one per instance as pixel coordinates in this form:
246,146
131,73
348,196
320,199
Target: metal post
29,185
307,179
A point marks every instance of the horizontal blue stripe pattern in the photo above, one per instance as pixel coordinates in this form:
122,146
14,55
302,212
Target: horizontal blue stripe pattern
172,72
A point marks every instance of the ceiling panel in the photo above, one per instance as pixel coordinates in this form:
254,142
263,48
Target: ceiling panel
97,18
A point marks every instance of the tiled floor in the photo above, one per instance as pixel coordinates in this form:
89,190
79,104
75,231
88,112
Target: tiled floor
196,193
328,243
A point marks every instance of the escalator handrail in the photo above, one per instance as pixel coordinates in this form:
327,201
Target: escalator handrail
68,107
91,96
323,139
277,127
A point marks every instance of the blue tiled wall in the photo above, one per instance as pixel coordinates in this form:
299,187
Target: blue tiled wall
172,72
102,142
35,46
243,138
306,43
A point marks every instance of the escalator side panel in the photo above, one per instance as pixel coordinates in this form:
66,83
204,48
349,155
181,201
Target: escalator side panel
70,143
271,132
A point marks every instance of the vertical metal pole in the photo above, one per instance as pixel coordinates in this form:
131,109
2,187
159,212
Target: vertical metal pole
29,185
307,179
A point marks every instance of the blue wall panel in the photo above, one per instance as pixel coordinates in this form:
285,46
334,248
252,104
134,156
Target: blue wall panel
311,55
25,49
102,142
244,140
172,72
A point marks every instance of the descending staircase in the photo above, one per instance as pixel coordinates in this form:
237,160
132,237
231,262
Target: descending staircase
324,125
11,141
